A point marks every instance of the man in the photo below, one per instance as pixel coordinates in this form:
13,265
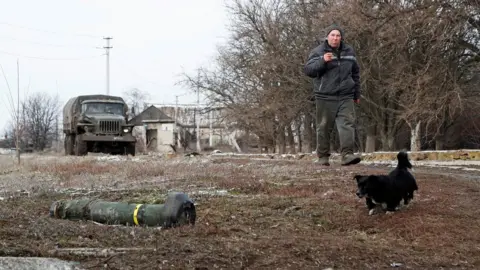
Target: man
336,75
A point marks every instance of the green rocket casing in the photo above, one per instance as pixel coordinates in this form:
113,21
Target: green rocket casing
178,209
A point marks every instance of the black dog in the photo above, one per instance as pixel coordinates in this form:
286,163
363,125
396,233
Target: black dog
378,190
388,189
401,174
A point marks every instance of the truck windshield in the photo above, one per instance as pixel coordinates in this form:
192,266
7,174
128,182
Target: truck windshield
101,108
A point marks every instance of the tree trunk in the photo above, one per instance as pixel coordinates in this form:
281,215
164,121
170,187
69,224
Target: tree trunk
291,139
391,143
387,140
246,141
441,137
371,138
440,142
233,141
298,129
310,139
281,140
415,143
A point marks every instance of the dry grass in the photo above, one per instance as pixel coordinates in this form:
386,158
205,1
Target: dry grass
277,214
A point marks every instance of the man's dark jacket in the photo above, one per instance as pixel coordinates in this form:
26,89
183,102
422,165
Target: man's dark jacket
338,79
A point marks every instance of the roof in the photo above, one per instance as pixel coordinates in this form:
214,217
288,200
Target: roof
158,121
152,113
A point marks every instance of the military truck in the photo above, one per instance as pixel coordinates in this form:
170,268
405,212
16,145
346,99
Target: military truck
97,123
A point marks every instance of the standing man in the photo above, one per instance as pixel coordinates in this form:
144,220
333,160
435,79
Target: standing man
336,75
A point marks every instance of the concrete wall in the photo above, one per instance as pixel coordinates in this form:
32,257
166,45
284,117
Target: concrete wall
219,136
139,133
165,136
160,134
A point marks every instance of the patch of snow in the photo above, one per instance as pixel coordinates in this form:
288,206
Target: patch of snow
7,151
117,158
449,164
21,263
424,151
213,192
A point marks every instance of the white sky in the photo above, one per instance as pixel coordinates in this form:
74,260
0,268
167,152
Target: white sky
153,42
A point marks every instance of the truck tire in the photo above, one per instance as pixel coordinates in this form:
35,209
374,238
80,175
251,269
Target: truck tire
80,146
69,145
130,149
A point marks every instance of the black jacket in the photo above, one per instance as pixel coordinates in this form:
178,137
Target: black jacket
338,79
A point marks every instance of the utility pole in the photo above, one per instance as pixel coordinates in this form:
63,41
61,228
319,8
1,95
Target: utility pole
176,110
210,114
199,148
179,144
56,125
107,53
56,134
18,113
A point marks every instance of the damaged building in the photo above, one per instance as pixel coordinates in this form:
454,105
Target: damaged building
167,128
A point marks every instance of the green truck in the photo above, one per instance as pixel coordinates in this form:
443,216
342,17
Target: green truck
97,123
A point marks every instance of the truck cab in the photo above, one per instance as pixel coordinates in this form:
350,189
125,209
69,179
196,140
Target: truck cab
97,123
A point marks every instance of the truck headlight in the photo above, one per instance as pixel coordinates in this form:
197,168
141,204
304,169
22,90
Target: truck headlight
126,130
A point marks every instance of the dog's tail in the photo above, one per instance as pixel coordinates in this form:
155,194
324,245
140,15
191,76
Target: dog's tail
403,161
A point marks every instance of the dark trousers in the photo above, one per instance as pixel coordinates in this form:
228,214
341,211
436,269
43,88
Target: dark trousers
341,113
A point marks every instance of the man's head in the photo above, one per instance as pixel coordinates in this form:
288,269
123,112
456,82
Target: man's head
334,35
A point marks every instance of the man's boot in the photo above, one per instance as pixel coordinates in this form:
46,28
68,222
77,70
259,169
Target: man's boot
322,161
350,159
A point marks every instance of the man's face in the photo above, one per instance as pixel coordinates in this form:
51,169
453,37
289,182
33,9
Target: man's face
334,38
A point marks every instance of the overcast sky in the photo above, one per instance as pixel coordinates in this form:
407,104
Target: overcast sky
57,44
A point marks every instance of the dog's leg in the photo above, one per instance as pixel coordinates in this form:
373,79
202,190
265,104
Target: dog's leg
406,199
391,208
371,206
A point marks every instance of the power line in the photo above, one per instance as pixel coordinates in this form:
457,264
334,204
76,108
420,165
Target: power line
17,128
49,32
47,44
47,58
10,101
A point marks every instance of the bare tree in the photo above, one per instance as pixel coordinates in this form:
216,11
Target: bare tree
259,74
410,60
40,114
136,100
416,61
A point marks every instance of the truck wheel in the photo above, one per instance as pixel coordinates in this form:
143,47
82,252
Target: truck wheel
68,145
80,146
130,149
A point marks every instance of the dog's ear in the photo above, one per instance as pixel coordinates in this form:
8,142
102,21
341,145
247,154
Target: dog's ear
373,178
357,177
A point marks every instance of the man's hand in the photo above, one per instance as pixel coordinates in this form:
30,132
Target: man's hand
328,57
356,101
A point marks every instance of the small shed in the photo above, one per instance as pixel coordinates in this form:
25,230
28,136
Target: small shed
154,129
